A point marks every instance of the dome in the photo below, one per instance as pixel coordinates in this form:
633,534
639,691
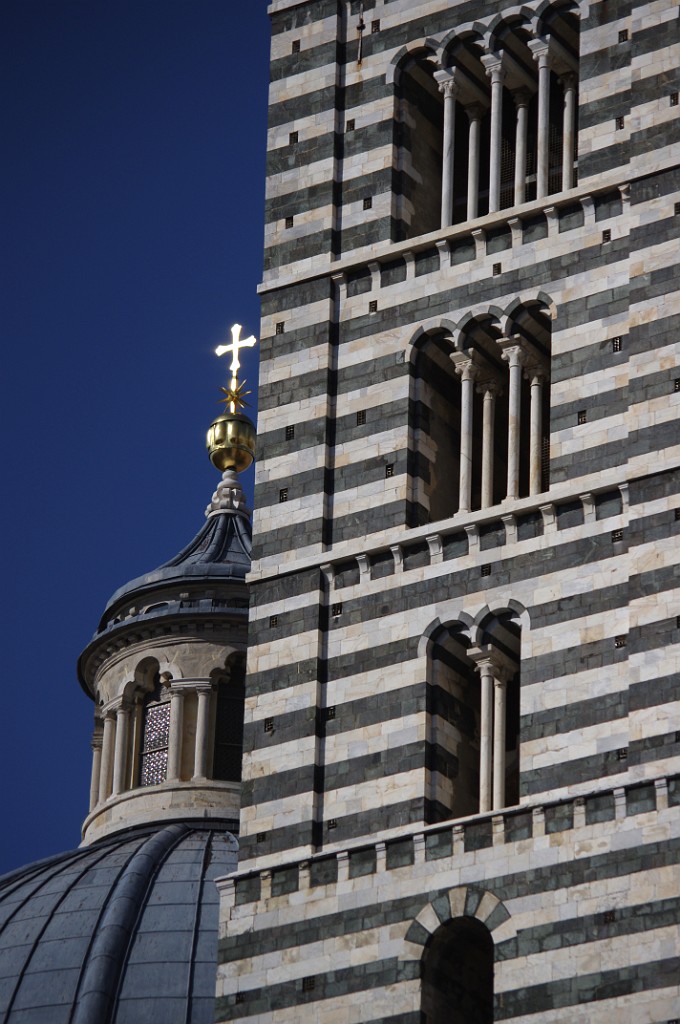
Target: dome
120,932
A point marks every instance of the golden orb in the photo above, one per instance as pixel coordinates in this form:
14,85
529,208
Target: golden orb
231,442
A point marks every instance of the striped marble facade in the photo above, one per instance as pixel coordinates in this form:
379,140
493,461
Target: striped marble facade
384,579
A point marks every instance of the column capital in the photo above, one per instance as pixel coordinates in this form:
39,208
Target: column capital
464,366
489,386
512,350
476,111
491,658
569,80
522,97
493,65
540,51
448,89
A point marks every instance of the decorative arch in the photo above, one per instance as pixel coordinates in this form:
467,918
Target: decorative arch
461,901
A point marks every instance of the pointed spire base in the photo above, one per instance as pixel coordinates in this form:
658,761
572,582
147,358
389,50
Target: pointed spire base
229,496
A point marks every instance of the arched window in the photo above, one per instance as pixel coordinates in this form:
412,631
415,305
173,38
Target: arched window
457,974
155,735
419,127
228,750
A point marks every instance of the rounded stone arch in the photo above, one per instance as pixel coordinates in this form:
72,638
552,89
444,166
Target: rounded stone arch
437,325
510,18
450,613
426,47
464,34
547,8
501,607
461,901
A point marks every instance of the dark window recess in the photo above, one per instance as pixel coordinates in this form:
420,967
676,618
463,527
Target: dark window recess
622,754
351,125
229,727
496,269
607,235
676,384
677,515
617,535
279,327
375,27
283,494
273,620
330,714
486,569
620,641
308,984
240,997
617,344
295,48
260,838
269,725
609,916
389,470
677,209
332,823
293,138
373,306
623,35
674,99
620,122
289,222
361,417
290,432
677,621
336,609
368,202
582,416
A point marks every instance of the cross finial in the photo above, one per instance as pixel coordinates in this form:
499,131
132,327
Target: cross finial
234,393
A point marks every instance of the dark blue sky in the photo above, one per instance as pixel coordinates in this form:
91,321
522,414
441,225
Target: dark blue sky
133,137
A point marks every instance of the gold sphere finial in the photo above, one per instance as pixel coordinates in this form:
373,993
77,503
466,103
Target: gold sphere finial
231,437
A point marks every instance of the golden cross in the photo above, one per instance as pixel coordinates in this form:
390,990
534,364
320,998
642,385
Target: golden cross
236,344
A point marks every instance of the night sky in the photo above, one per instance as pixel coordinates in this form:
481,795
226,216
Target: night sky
133,139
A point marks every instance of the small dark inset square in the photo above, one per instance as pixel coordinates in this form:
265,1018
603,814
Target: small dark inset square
290,432
486,570
368,202
582,416
240,997
351,125
677,621
273,620
617,535
336,609
269,725
617,344
295,48
375,27
623,35
283,494
389,470
622,754
330,714
677,208
279,327
620,641
261,836
676,384
620,122
308,984
293,138
677,515
332,823
674,99
496,269
607,235
609,916
373,306
289,222
361,417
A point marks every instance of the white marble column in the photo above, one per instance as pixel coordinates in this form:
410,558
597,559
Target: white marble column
537,379
541,56
497,75
475,113
499,712
202,730
513,356
175,737
96,766
489,390
449,90
467,372
121,749
485,669
107,756
568,83
521,98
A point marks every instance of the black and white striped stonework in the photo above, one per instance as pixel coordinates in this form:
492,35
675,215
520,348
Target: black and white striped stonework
464,593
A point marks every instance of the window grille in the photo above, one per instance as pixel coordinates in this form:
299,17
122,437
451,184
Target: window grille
617,535
582,416
279,327
619,641
486,570
675,97
308,984
496,269
269,725
617,344
283,495
373,306
620,122
155,737
330,713
361,417
607,235
389,470
273,620
623,35
295,48
289,222
293,138
290,432
368,202
375,27
351,124
332,823
336,610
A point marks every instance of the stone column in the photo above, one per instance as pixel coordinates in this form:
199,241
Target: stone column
489,390
202,729
485,669
541,56
499,692
449,90
467,372
96,766
513,356
121,749
521,98
535,430
475,113
568,83
175,737
107,756
497,74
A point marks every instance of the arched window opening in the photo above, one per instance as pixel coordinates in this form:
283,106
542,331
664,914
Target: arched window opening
420,127
498,661
457,974
465,181
228,748
155,735
453,715
530,331
560,26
